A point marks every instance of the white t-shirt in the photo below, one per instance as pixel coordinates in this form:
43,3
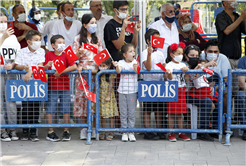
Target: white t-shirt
69,35
9,49
177,77
156,57
47,30
128,82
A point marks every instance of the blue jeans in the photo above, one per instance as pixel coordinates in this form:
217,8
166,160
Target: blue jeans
205,105
240,106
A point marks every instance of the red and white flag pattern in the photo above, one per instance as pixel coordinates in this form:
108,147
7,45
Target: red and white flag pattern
90,48
83,84
101,56
130,27
70,54
58,65
35,72
90,95
138,68
161,66
157,42
42,74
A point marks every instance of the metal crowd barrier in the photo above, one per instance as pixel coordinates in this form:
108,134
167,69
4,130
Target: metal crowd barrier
236,119
139,127
55,123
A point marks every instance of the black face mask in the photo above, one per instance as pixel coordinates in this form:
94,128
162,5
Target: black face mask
193,62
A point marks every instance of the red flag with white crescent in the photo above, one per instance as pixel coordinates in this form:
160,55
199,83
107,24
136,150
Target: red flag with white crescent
157,42
83,84
35,72
70,54
101,56
90,48
90,95
42,74
58,65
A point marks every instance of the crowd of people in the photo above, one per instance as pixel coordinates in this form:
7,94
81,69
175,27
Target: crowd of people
36,44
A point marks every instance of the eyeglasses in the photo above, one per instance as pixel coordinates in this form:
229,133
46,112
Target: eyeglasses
171,11
123,9
100,5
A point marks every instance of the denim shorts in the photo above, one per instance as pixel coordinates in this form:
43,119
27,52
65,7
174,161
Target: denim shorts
65,100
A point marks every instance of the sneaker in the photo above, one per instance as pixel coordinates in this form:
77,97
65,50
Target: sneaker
5,137
171,137
124,137
184,137
93,134
161,135
151,136
24,136
244,135
52,137
13,135
83,134
205,137
131,137
34,137
66,136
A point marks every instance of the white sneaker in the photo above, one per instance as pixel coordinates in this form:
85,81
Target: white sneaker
131,137
93,134
13,135
124,137
5,137
83,134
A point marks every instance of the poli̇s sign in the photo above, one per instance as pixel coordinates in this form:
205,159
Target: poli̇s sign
158,91
35,90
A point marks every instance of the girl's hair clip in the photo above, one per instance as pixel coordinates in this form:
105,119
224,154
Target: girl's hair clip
175,46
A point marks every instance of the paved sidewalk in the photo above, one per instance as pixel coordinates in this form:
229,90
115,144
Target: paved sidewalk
142,152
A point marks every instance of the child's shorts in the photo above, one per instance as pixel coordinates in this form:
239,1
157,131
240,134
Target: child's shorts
65,100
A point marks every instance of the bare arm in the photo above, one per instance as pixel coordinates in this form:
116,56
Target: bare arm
241,82
148,63
135,35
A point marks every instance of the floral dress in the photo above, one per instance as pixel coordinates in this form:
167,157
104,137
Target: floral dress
107,108
85,60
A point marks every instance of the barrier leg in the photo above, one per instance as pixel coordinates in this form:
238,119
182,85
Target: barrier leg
227,138
193,110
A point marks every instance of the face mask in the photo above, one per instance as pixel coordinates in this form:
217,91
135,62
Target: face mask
234,5
69,18
121,15
21,17
177,13
187,27
178,58
60,47
3,26
36,45
211,56
170,19
92,28
103,68
37,17
193,62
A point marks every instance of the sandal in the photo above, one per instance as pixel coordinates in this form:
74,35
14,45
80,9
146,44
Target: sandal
110,137
102,136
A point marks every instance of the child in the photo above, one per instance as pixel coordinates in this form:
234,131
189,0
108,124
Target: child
149,58
128,88
176,109
32,55
108,104
87,35
58,86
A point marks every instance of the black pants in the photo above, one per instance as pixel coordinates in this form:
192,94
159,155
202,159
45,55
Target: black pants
30,114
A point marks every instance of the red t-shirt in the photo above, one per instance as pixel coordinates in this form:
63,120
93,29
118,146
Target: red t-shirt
18,33
62,82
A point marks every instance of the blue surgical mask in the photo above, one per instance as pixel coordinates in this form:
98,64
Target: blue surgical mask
70,19
92,28
170,19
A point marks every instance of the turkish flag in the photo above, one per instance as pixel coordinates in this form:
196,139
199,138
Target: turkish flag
2,60
83,84
58,65
161,66
90,95
90,48
138,68
130,27
157,42
42,74
70,54
101,56
35,72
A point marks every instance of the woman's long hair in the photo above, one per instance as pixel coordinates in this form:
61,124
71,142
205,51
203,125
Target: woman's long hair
86,18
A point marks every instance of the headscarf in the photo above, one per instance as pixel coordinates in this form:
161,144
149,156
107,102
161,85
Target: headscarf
31,14
190,34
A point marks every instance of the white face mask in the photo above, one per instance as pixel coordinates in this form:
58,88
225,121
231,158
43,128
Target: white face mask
234,5
61,17
92,28
60,47
178,58
103,68
36,45
121,15
211,56
37,17
3,26
21,17
187,27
